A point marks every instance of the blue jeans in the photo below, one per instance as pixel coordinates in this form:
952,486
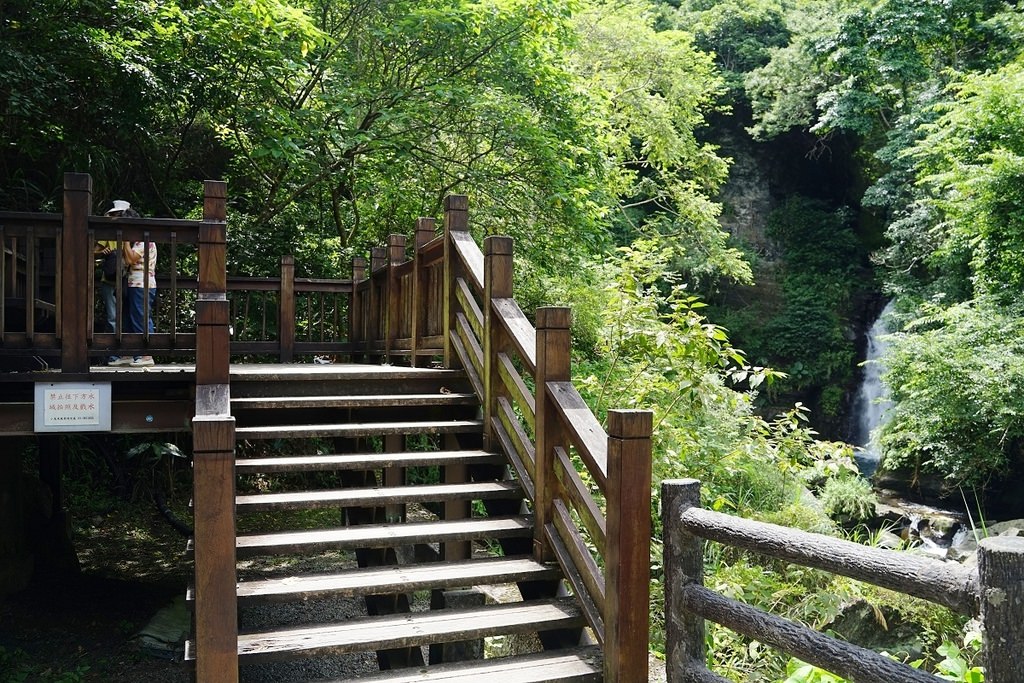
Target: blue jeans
136,313
107,296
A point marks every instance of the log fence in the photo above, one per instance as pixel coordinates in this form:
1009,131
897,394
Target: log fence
993,592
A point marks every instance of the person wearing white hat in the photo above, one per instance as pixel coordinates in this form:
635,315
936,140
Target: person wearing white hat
139,270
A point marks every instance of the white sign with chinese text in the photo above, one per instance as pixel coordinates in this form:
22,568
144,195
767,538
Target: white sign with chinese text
72,407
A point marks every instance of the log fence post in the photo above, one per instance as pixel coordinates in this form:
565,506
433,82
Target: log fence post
287,311
1001,580
683,560
75,269
456,219
553,365
628,548
497,285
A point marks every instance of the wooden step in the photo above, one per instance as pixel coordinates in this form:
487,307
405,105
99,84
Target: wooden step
396,579
409,629
381,535
357,430
377,497
576,665
366,461
355,401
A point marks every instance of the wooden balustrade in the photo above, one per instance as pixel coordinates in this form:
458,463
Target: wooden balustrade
456,304
994,592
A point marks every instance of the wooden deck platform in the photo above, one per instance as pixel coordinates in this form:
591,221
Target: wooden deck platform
161,398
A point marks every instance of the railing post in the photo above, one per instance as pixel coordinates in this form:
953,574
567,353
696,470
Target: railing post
355,308
553,365
683,562
392,292
213,338
424,233
216,608
456,219
286,311
1001,579
497,285
75,268
378,259
628,549
213,434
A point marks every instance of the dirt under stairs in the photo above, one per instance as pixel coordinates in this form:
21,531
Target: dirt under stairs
373,533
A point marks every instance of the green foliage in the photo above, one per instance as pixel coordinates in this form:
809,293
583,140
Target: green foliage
822,273
849,500
739,34
956,377
649,94
802,672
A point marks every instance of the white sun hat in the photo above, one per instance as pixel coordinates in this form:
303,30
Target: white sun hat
120,206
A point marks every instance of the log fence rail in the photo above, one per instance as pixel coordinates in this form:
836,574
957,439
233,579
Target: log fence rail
992,592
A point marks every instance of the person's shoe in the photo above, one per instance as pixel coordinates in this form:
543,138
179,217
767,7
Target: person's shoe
142,362
120,361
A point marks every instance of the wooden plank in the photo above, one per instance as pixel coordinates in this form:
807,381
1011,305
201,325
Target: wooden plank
472,258
586,432
382,535
275,372
365,461
576,665
407,630
583,562
522,474
595,618
358,430
469,307
584,504
303,500
355,401
518,390
467,364
398,579
522,333
471,343
517,436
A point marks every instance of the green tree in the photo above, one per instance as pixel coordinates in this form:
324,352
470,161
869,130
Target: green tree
649,92
957,380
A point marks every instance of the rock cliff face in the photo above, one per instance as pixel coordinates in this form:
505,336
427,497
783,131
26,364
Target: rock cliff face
762,177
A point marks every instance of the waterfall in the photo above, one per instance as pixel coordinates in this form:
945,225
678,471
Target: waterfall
872,402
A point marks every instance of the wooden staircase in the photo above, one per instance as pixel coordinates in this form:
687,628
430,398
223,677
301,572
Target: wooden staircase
386,463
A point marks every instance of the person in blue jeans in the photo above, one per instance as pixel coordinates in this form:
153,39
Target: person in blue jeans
140,259
107,253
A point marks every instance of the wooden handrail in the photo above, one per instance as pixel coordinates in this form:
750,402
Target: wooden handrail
993,592
465,294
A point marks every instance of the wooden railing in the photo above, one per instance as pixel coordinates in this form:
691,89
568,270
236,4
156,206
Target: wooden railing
49,307
454,303
993,591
